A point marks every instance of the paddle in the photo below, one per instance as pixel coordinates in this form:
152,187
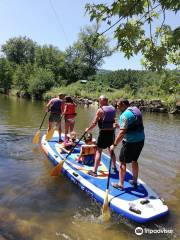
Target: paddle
50,133
105,209
57,169
37,135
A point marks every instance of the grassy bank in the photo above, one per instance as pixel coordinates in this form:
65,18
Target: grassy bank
92,90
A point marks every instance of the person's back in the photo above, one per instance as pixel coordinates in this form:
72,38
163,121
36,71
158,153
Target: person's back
131,119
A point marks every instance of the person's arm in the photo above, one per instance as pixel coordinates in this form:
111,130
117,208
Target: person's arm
118,139
48,105
95,121
65,109
123,128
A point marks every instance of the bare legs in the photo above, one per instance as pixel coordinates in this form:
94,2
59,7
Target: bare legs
97,159
59,129
135,170
69,126
58,125
113,157
122,172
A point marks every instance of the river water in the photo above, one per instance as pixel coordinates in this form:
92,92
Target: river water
35,206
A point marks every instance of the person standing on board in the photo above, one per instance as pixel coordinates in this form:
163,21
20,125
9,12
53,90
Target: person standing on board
132,136
69,114
55,106
105,118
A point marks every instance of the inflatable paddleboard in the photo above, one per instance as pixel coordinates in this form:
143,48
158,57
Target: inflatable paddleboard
140,204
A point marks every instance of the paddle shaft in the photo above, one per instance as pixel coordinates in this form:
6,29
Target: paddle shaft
43,120
109,172
75,145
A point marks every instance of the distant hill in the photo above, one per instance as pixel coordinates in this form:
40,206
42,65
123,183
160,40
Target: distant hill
103,71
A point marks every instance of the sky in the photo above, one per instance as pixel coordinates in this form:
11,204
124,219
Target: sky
58,22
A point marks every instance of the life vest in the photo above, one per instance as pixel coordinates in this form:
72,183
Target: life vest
138,124
70,110
88,149
88,154
56,106
108,119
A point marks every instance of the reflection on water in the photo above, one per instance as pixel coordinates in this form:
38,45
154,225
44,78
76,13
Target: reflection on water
34,206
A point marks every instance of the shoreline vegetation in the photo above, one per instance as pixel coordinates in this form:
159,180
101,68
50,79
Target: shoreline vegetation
147,105
29,70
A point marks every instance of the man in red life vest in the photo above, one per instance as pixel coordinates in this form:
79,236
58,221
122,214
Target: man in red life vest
56,106
105,118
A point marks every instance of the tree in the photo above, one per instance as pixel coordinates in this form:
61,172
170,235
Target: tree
87,52
40,81
19,50
21,76
129,18
5,75
51,58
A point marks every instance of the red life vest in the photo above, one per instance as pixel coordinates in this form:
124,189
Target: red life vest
70,110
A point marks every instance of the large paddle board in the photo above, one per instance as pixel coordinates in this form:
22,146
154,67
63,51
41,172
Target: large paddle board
140,204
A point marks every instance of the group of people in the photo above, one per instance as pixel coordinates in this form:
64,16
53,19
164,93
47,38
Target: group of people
59,107
131,134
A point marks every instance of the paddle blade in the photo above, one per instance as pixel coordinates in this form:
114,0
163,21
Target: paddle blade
36,138
56,171
105,209
49,134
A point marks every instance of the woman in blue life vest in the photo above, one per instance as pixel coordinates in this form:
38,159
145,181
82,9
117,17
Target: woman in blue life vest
105,118
55,107
132,136
69,114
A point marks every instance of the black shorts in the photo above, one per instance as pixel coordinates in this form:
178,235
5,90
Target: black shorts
130,151
55,117
105,138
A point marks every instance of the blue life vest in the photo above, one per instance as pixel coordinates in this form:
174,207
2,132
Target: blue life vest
108,119
138,124
56,107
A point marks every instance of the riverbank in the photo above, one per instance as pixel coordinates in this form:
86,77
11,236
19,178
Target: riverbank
84,98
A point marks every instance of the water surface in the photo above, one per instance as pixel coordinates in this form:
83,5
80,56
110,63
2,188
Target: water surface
35,206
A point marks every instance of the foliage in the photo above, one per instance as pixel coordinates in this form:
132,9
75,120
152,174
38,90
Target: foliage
19,50
86,55
51,58
40,81
5,75
21,76
129,19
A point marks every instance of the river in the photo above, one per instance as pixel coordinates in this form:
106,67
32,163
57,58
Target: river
36,206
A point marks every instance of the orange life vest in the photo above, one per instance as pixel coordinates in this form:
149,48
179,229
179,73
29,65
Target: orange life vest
88,150
70,110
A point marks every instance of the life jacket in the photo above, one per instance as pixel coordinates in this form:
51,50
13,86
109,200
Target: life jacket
88,153
70,110
108,119
137,125
88,149
56,106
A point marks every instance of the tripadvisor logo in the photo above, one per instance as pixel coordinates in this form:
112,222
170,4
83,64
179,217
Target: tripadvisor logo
138,231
